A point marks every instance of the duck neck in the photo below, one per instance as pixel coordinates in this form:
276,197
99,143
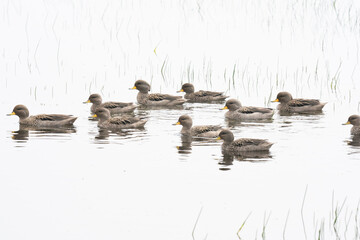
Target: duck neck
94,106
186,130
141,96
104,118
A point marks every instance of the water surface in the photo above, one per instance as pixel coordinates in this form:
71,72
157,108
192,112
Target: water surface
82,183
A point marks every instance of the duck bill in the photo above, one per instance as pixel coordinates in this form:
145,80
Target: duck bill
178,123
94,116
218,138
347,123
134,87
224,108
181,90
10,114
88,101
276,100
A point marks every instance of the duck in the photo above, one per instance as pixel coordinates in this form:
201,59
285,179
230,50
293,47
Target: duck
243,144
355,121
42,120
116,123
201,96
113,107
155,99
206,131
238,112
298,105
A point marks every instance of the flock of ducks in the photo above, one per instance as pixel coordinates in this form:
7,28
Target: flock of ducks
104,111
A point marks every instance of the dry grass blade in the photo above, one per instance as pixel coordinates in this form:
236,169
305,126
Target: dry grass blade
242,225
197,219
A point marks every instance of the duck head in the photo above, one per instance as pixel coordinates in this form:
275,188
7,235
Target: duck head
21,111
283,97
142,86
232,104
187,88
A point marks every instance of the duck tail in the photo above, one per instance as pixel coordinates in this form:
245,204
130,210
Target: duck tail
71,120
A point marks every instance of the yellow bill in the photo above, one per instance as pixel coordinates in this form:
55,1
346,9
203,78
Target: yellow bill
276,100
94,116
347,123
134,87
10,114
224,108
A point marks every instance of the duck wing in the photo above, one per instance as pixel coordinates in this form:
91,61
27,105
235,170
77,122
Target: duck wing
250,110
300,102
203,129
202,93
248,141
161,97
52,117
123,120
112,105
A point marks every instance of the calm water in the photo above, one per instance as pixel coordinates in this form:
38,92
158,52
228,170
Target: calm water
80,183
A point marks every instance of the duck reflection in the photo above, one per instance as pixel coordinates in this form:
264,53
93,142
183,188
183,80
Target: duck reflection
316,113
106,134
238,123
186,142
256,156
103,134
24,131
355,140
226,162
253,156
175,107
20,134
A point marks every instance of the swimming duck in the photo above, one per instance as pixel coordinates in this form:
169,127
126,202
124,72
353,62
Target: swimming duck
114,123
299,105
355,121
113,107
238,112
42,120
155,99
201,96
208,131
243,144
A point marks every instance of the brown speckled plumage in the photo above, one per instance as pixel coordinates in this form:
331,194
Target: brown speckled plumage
238,112
114,123
155,99
42,120
243,144
208,131
201,96
113,107
299,105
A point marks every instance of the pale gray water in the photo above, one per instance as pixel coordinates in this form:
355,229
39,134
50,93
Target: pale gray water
147,183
